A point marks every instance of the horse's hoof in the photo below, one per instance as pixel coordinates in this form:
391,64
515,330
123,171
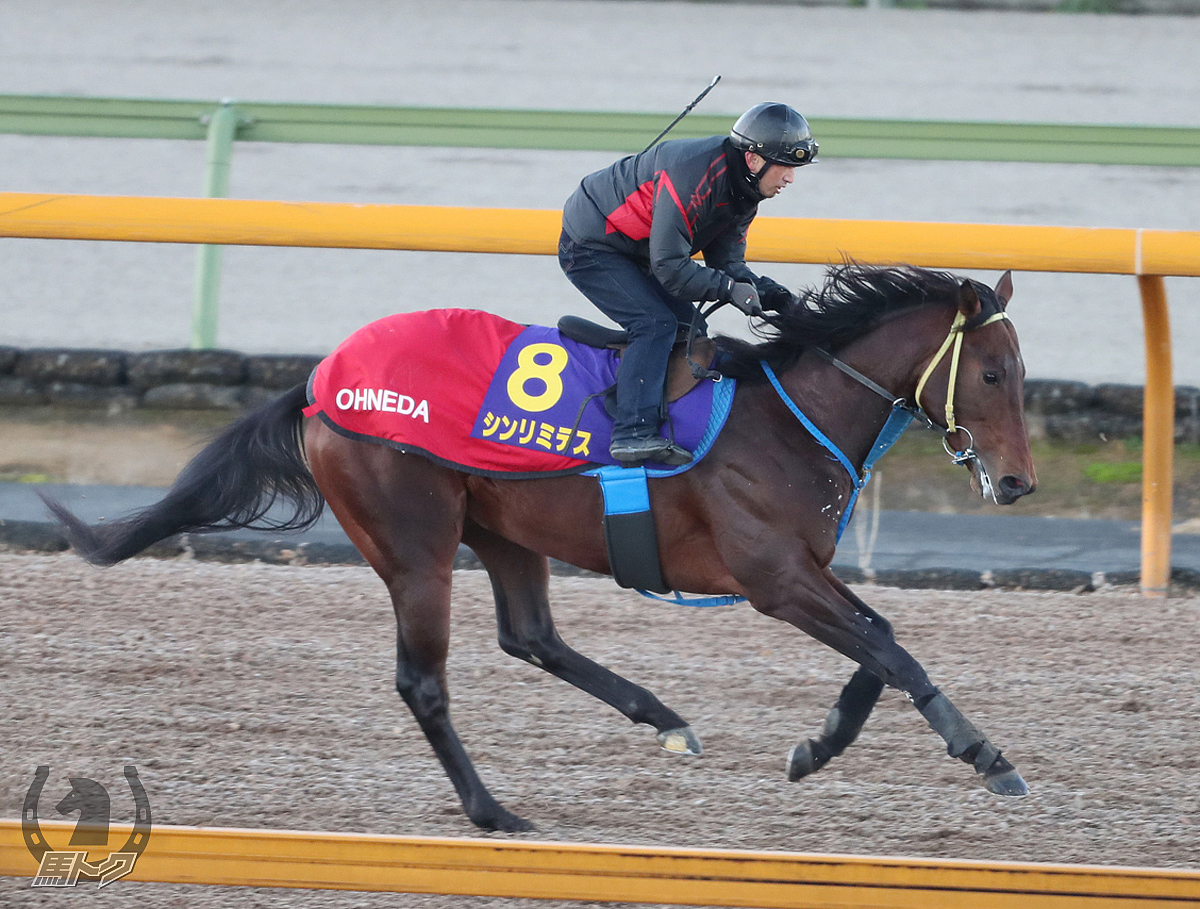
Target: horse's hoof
800,762
518,825
1009,782
488,814
504,821
680,741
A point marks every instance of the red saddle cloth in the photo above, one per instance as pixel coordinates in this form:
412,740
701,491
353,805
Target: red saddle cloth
480,393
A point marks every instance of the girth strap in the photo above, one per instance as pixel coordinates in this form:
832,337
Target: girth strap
629,529
631,540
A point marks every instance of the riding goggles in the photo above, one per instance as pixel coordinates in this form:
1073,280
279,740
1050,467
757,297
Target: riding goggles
803,152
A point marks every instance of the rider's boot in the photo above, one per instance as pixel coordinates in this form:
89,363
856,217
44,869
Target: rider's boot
638,449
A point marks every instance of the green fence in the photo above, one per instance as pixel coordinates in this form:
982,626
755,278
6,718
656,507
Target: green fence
221,123
588,130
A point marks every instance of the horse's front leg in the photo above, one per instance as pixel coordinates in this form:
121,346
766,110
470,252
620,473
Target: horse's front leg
820,605
847,716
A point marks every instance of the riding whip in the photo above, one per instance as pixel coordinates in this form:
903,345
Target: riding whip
687,110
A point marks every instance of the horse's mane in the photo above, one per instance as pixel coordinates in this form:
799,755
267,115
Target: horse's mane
851,303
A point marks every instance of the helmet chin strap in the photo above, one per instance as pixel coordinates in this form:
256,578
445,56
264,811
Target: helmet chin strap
752,178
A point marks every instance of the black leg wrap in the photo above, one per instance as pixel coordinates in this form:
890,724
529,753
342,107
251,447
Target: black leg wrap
963,740
968,744
842,725
846,719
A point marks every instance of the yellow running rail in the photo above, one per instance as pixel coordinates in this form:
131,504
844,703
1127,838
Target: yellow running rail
243,222
1148,254
681,877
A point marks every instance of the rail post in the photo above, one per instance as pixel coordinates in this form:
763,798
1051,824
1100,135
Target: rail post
221,128
1158,439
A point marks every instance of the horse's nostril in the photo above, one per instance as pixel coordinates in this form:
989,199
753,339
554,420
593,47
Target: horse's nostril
1014,486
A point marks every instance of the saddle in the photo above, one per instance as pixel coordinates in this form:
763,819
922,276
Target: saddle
680,376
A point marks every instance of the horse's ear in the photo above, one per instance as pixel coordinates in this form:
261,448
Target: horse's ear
1004,289
968,300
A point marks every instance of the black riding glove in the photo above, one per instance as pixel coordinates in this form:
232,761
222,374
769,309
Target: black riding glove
774,295
744,296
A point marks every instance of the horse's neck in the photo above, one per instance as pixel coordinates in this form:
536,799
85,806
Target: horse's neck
893,356
896,353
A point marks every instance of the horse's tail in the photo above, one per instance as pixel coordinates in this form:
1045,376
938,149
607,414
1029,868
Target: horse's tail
232,483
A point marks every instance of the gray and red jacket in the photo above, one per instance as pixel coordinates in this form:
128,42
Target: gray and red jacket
664,205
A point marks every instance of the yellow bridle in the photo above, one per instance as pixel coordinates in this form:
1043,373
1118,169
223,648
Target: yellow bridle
955,340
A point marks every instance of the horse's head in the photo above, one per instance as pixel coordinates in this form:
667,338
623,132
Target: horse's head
975,384
887,324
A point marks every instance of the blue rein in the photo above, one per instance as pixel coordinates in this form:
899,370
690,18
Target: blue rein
897,422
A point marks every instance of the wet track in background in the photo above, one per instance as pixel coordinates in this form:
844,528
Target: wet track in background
537,54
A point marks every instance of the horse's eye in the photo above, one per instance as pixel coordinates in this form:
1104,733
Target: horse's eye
991,378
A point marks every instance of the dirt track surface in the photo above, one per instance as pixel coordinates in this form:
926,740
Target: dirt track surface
261,696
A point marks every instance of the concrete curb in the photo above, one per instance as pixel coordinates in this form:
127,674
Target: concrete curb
36,536
116,381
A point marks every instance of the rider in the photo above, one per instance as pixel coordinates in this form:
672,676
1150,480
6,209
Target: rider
629,234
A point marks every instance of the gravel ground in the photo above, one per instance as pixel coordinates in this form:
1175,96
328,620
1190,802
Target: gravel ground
203,676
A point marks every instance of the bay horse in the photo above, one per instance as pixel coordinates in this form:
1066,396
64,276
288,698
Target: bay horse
758,517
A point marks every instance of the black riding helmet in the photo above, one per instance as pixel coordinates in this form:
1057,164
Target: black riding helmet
777,134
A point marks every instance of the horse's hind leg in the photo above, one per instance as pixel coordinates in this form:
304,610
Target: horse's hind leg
405,515
422,643
520,582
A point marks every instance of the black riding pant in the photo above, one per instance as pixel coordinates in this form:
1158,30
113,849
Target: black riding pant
623,290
